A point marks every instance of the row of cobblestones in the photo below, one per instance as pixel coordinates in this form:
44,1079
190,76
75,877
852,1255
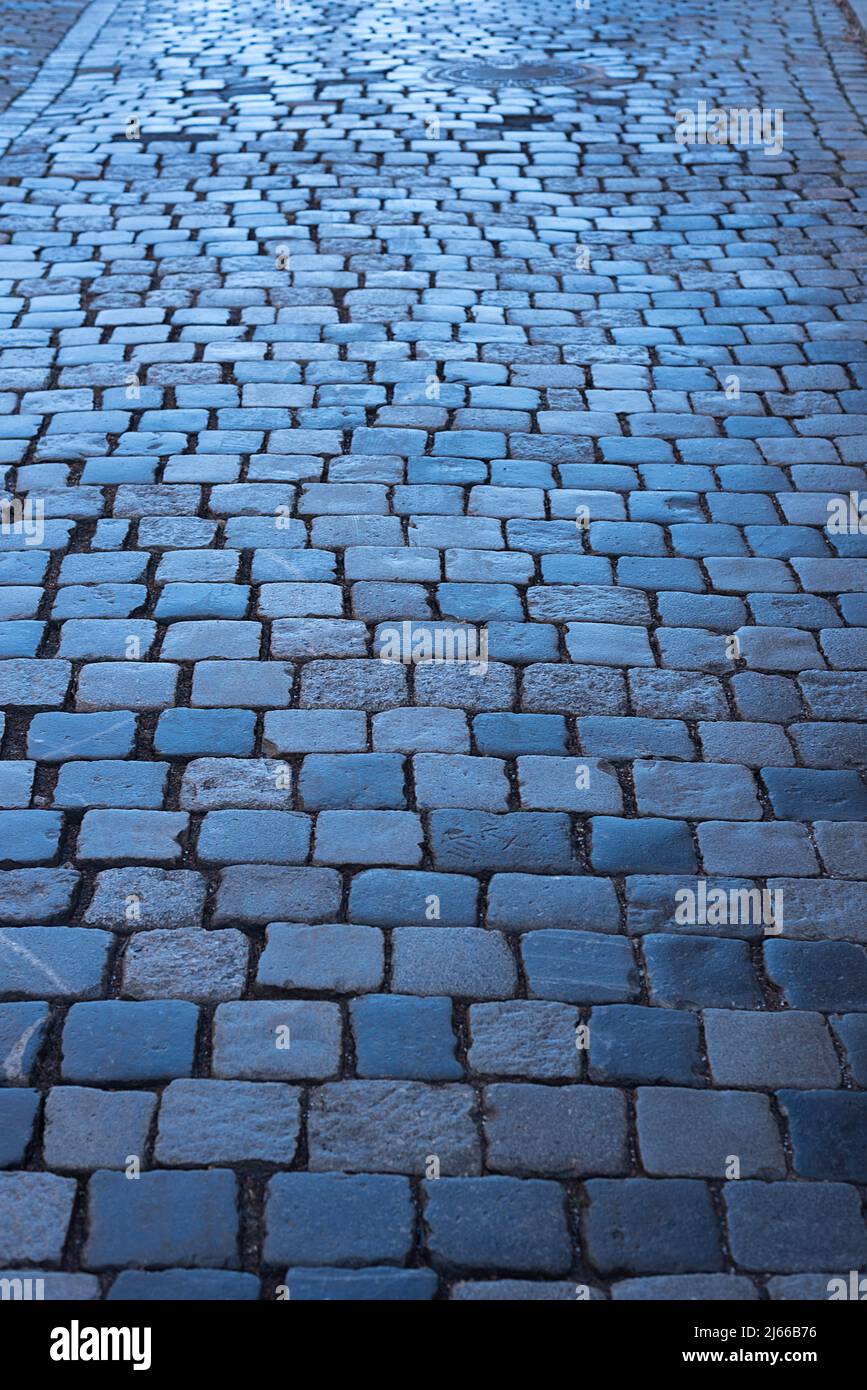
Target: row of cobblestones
434,655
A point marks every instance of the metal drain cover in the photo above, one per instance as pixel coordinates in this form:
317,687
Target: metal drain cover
482,74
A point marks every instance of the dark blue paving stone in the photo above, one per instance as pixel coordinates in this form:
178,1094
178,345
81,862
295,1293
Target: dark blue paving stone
729,1288
333,957
53,962
17,1116
404,1036
651,1227
656,903
694,972
338,1219
360,1285
352,780
765,697
268,893
793,1228
35,1211
800,793
506,735
641,846
162,1219
396,897
522,902
516,1291
114,1040
830,976
497,1222
22,1033
89,1128
183,1286
687,1133
631,1045
828,1130
535,841
558,1131
579,967
767,1050
843,847
851,1029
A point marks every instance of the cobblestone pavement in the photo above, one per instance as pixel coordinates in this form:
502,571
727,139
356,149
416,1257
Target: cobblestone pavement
28,33
329,968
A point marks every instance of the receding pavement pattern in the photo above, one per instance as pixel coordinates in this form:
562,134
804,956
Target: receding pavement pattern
434,655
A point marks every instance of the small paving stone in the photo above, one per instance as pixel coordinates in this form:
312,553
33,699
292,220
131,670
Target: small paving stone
497,1222
770,1050
729,1288
514,1291
651,1226
35,1210
265,893
404,1036
183,1286
185,963
271,1041
579,967
375,1285
564,1131
701,1134
17,1117
830,976
130,899
630,1044
330,958
518,1037
215,1122
87,1128
392,1127
113,1040
792,1229
695,972
51,962
461,961
338,1219
162,1219
827,1130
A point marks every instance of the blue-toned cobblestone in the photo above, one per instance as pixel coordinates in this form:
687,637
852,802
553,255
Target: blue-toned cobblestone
433,616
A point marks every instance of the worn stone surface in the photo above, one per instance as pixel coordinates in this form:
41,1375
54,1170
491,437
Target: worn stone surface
433,650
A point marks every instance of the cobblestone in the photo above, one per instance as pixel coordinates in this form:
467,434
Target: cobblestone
432,573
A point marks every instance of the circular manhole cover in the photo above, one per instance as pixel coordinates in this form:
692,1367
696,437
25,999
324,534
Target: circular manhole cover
482,74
